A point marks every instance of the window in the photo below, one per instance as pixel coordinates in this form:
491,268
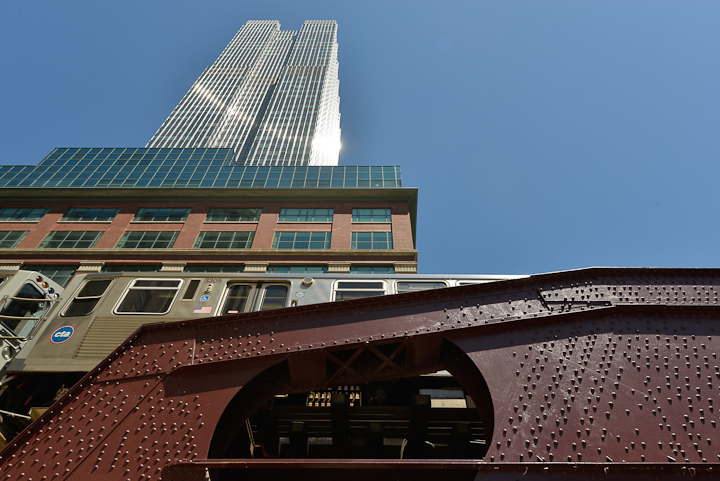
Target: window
131,268
371,215
224,240
58,273
28,215
406,286
301,240
26,310
87,214
233,215
274,297
297,269
236,299
149,296
87,298
371,240
306,215
71,239
372,270
214,268
346,290
11,238
161,215
147,240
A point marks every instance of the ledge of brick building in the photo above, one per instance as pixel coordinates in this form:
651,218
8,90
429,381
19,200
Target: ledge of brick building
90,266
405,267
11,265
173,266
338,267
255,267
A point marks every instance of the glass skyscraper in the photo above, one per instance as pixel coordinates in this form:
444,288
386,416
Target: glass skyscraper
272,97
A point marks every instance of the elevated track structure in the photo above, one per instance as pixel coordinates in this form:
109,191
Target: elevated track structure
590,374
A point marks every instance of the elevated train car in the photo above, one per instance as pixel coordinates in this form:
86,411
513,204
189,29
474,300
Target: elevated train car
100,310
26,300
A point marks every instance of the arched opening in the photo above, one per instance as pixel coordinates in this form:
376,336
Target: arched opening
364,402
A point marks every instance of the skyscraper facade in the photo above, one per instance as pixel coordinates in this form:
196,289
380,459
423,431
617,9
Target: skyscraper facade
272,97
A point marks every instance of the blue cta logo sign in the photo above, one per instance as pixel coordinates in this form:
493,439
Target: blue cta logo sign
62,334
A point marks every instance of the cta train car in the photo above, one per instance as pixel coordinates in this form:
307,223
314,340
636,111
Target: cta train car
99,311
26,299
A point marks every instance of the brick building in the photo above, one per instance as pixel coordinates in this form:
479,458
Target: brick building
145,209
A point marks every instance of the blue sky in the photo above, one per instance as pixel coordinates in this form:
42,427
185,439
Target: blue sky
543,136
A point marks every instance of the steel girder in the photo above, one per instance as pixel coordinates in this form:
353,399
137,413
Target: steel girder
589,373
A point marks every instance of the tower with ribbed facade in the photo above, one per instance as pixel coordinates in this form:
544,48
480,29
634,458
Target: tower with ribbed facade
272,96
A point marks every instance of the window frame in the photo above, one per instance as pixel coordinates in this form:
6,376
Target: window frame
278,234
328,218
388,240
388,215
202,234
23,234
212,221
398,282
95,220
49,238
131,287
123,239
76,295
337,288
142,211
23,219
263,295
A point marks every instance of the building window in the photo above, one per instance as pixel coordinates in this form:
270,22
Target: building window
71,239
301,240
58,273
223,268
224,240
28,215
131,268
372,270
371,215
87,214
11,238
297,269
161,215
306,215
233,215
371,240
147,240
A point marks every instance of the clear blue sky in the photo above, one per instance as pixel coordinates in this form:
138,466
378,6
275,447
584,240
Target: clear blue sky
542,135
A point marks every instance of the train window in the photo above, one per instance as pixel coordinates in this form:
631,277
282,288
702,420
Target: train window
24,305
191,290
274,298
236,299
404,286
149,296
346,290
87,298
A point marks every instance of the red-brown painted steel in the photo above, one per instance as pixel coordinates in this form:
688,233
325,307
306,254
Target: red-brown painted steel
590,373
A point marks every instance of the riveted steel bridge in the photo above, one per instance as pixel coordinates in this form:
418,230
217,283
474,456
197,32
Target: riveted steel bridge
592,374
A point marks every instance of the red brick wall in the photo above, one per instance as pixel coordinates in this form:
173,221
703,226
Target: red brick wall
341,227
